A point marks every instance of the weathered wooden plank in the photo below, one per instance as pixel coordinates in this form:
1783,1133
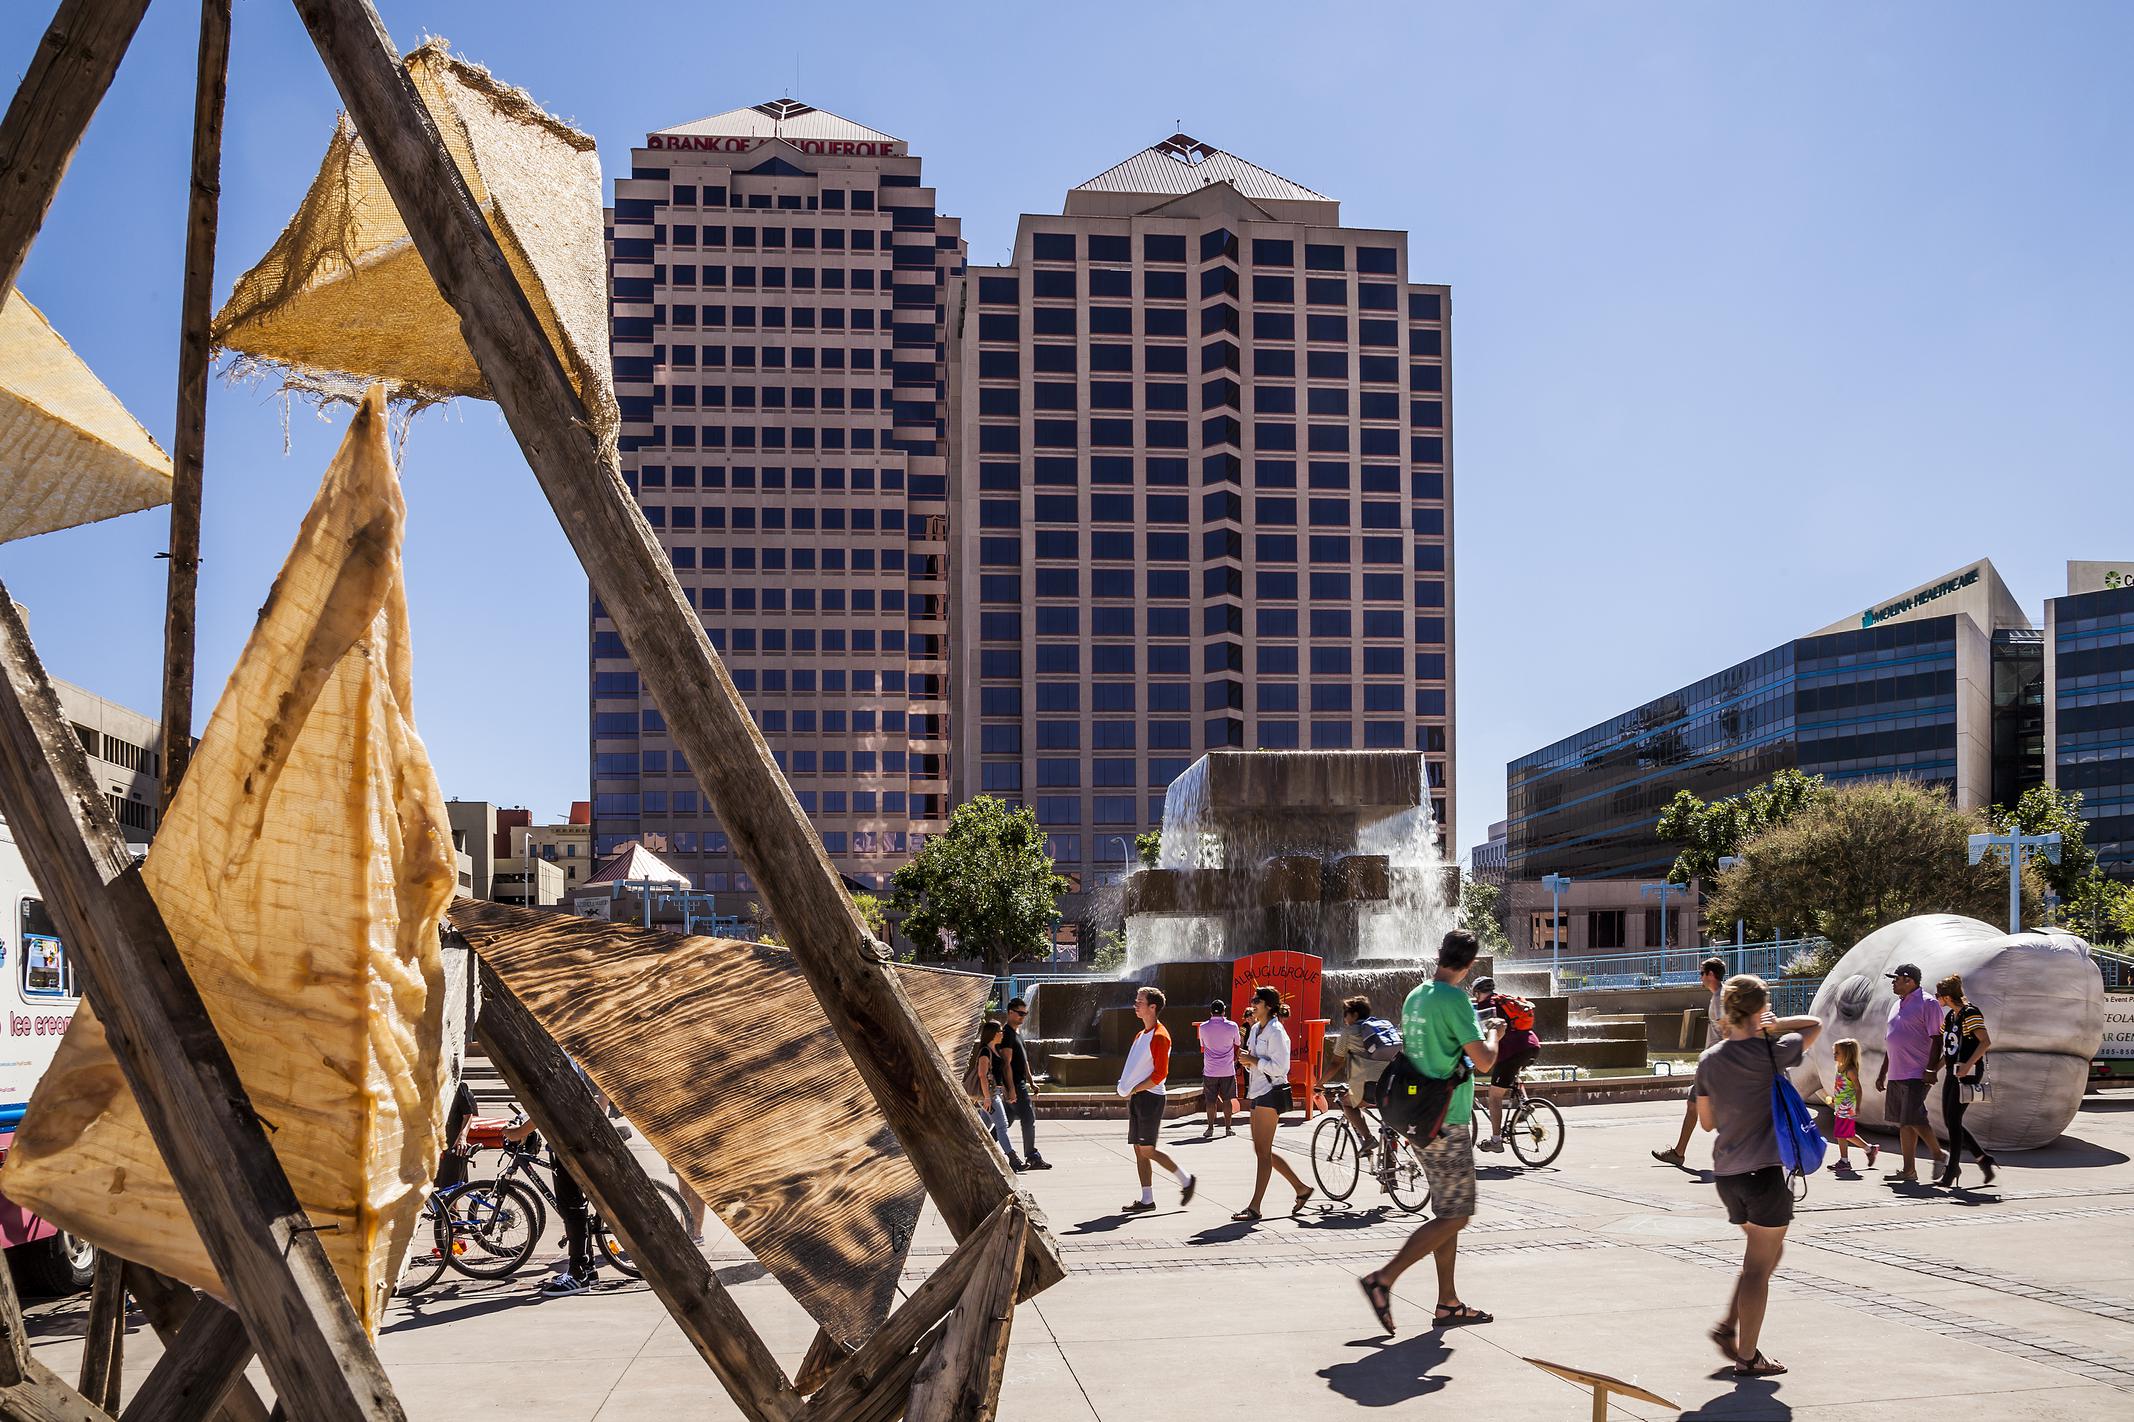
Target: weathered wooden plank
198,1368
189,447
172,1058
565,1110
824,1198
888,1393
60,90
862,1375
104,1334
167,1305
821,1360
959,1381
14,1338
860,998
44,1396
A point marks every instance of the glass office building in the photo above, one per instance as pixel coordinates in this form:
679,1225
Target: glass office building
2089,667
1916,687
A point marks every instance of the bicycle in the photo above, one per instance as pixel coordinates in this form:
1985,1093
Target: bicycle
521,1170
1337,1156
1532,1126
483,1229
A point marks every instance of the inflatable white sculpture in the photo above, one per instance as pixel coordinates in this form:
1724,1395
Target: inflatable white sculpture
2044,1006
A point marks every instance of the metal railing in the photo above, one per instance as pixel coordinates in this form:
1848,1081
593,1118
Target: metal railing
1675,967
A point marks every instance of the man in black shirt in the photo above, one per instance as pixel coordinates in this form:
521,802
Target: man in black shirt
1019,1094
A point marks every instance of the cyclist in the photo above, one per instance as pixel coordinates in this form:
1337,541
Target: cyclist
1517,1049
1365,1045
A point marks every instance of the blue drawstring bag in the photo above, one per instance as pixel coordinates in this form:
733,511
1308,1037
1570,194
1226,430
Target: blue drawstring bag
1800,1145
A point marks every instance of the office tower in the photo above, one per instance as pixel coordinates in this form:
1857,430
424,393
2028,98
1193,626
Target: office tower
2089,680
1203,497
780,279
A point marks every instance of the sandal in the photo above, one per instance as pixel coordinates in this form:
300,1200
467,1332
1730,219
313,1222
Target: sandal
1757,1367
1303,1198
1722,1334
1381,1300
1248,1213
1459,1314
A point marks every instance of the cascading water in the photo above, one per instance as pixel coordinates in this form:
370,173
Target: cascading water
1410,924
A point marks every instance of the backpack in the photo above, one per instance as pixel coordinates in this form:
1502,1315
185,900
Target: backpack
1517,1011
1415,1104
1800,1145
1381,1039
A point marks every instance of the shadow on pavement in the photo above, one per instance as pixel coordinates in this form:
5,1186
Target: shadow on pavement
1101,1224
2066,1153
1752,1400
1345,1218
1390,1371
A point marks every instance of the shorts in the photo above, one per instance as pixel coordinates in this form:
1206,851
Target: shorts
1275,1099
1844,1128
1214,1089
1449,1163
1144,1117
1905,1102
1510,1064
1758,1198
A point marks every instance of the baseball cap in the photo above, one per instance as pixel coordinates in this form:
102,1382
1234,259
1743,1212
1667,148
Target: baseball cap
1905,970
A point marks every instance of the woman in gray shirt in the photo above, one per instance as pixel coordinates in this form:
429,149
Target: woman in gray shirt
1734,1078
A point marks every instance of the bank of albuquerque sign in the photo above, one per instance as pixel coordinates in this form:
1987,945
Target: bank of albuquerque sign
734,143
1920,598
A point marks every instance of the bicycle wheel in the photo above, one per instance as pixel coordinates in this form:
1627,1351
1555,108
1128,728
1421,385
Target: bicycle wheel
1409,1185
495,1226
1335,1159
1536,1131
426,1257
607,1248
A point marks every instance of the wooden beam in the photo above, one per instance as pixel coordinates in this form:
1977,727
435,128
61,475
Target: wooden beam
862,1374
60,90
816,1367
167,1305
321,1363
636,586
887,1395
189,446
563,1106
30,1391
104,1336
198,1368
14,1337
960,1379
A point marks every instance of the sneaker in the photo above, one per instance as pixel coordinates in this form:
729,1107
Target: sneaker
1138,1207
1016,1165
1185,1191
1036,1162
1668,1157
564,1284
1872,1152
1494,1143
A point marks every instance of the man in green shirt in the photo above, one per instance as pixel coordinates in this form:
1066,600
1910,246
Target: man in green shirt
1438,1027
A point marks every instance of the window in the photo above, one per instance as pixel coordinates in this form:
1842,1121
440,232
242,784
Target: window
1273,252
46,973
1052,246
1605,928
1163,247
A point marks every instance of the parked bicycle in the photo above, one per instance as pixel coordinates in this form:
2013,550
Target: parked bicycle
484,1229
523,1166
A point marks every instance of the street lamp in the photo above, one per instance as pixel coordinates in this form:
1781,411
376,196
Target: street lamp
1726,862
2016,842
1555,884
1126,854
1665,891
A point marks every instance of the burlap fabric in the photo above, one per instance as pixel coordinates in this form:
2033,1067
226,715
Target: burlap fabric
302,870
343,293
70,453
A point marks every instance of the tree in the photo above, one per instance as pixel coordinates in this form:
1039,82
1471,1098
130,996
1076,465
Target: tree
870,906
2101,910
2045,810
1868,855
1149,846
1482,914
1709,831
986,883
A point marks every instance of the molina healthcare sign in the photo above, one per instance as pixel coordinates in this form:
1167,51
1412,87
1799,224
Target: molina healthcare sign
1921,598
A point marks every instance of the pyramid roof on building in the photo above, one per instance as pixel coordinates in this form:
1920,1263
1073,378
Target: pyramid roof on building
634,863
784,118
1183,164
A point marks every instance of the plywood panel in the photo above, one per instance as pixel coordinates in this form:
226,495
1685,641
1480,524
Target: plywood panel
717,1051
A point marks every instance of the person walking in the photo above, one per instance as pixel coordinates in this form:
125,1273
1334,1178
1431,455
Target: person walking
1018,1089
1712,973
1438,1027
1964,1044
1845,1105
1266,1053
1365,1046
1148,1062
982,1080
1518,1047
1911,1053
1735,1079
1218,1068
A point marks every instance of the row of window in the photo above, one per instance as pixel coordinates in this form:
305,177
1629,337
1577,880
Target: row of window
1214,244
1160,471
1171,395
1271,510
1099,433
1067,621
1164,321
773,477
803,518
1161,659
1270,362
716,195
771,237
1117,284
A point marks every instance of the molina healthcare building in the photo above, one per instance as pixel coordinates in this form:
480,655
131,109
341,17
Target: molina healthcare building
1949,683
1174,478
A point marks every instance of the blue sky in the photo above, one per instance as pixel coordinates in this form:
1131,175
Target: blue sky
1760,313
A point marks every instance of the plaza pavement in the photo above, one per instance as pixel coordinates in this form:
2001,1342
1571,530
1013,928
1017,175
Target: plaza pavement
2014,1302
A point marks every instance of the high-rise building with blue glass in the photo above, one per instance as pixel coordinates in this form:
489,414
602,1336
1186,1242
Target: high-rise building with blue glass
1943,684
2089,717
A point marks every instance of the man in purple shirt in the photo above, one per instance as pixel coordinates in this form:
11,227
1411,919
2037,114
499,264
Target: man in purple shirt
1218,1072
1911,1054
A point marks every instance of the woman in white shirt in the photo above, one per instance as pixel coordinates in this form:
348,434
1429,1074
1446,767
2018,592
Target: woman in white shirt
1266,1052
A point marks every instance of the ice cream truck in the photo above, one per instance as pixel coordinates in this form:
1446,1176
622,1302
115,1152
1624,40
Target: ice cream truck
39,997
